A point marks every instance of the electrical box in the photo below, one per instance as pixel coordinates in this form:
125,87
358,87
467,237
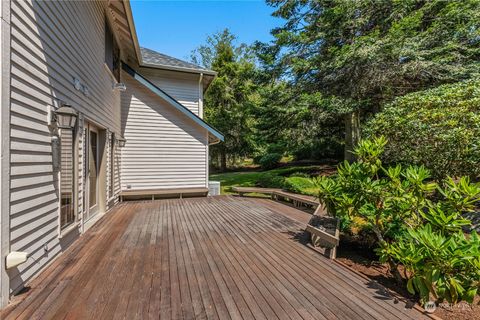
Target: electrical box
214,188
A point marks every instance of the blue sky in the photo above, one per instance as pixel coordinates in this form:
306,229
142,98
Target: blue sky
177,27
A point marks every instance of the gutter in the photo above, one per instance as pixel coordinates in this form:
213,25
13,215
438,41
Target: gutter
182,69
133,32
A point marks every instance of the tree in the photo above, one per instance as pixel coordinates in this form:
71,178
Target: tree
300,124
227,101
368,52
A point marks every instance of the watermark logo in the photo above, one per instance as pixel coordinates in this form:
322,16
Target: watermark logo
430,306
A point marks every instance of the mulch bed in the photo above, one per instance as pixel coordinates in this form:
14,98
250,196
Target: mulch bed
363,261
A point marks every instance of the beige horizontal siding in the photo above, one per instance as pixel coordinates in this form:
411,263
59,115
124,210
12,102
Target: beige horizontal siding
164,149
182,86
52,43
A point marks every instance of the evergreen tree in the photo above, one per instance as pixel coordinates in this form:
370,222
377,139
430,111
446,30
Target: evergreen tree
227,101
370,51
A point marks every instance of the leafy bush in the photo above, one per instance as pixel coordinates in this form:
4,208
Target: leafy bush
319,149
442,261
438,128
270,180
443,265
299,185
306,171
270,160
416,222
384,198
300,174
256,158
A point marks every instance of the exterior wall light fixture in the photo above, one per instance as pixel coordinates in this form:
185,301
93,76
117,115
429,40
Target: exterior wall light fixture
121,142
66,117
120,86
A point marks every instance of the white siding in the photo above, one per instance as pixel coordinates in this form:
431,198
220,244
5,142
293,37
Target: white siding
52,43
182,86
164,148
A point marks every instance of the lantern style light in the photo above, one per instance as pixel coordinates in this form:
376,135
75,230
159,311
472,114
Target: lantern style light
121,142
66,117
120,86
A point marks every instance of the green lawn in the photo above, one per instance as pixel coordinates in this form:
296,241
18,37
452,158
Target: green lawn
291,178
232,179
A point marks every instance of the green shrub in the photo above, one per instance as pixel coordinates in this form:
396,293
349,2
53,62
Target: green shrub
438,128
297,171
270,180
319,149
300,174
443,265
270,161
257,158
299,184
385,198
416,222
443,262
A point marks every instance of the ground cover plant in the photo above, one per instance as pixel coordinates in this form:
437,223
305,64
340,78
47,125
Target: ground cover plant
416,222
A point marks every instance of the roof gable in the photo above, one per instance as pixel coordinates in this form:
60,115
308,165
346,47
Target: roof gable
214,134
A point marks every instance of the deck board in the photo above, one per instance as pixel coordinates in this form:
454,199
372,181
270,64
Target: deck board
201,258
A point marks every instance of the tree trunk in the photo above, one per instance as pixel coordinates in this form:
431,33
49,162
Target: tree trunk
352,134
394,271
223,160
393,266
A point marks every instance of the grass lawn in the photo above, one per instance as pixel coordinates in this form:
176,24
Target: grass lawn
295,179
232,179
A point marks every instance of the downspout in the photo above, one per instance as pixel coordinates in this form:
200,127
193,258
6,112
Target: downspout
200,96
200,114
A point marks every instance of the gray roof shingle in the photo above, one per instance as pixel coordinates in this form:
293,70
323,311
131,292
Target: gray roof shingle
155,58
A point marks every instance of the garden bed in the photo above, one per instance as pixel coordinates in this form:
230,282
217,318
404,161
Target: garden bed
364,262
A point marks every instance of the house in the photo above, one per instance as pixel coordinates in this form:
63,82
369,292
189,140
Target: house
88,117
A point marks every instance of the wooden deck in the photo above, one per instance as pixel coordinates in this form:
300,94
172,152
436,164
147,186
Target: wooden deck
200,258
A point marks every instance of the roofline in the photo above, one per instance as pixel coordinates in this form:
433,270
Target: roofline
177,105
131,24
182,69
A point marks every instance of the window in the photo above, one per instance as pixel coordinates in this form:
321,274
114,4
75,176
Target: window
112,164
67,178
112,52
